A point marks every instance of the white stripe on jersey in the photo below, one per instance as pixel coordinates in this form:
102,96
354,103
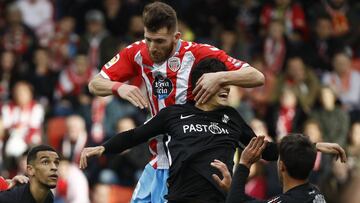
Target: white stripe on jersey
160,69
138,60
168,151
102,73
183,78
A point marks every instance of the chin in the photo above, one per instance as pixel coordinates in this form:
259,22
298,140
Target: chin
52,186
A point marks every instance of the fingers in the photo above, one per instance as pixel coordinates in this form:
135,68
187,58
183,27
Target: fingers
21,179
341,153
216,179
83,161
199,93
204,97
133,95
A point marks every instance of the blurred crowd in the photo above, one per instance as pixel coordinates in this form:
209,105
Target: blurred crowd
308,50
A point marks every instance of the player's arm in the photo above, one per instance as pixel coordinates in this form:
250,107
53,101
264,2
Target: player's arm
250,155
239,73
127,139
119,69
103,87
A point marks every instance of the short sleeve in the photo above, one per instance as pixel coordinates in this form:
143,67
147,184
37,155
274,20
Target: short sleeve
208,51
122,66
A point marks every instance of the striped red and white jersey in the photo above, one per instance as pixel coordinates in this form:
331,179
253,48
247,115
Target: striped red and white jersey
167,83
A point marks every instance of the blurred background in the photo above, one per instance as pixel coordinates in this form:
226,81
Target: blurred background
308,50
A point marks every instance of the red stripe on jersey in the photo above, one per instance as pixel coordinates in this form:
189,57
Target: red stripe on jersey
170,100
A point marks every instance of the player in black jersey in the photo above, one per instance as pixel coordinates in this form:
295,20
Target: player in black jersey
296,160
197,134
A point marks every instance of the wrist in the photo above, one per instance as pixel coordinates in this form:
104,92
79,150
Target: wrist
223,77
115,88
245,163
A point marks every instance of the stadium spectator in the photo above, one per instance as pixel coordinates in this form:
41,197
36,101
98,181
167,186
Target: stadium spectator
333,120
75,185
75,139
23,118
285,116
64,43
42,77
290,13
9,74
43,22
16,36
71,90
97,42
345,82
301,80
323,45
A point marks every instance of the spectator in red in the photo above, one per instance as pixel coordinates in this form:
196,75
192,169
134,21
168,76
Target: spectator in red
16,36
71,90
64,43
22,118
290,14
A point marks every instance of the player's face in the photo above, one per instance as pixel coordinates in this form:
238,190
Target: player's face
161,43
221,97
45,168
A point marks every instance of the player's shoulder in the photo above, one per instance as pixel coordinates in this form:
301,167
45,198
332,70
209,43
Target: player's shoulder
135,47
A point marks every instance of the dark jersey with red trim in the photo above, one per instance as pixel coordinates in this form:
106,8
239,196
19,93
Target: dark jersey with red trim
167,83
194,139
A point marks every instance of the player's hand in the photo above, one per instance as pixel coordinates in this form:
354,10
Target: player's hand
252,152
332,148
89,152
224,183
132,94
21,179
207,85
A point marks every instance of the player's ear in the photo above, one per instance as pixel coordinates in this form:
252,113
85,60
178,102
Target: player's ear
30,171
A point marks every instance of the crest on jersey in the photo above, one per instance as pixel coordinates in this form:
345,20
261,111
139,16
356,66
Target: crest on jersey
162,87
174,63
225,118
112,61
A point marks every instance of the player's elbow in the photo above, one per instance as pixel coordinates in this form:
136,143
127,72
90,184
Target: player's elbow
258,78
92,86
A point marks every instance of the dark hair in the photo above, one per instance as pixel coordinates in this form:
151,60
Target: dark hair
207,65
31,156
158,15
298,155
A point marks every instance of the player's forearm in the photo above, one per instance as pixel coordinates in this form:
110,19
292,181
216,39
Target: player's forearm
237,189
244,77
101,86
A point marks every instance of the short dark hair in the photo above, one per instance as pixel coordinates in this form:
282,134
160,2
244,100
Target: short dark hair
158,15
207,65
298,155
31,156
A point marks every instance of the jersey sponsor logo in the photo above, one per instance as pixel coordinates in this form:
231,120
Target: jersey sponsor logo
212,128
174,63
112,61
162,87
188,116
225,118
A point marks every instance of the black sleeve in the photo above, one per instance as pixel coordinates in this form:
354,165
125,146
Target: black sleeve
270,153
125,140
9,196
237,189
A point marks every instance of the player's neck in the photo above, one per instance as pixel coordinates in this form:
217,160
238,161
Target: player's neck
38,191
290,183
206,107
